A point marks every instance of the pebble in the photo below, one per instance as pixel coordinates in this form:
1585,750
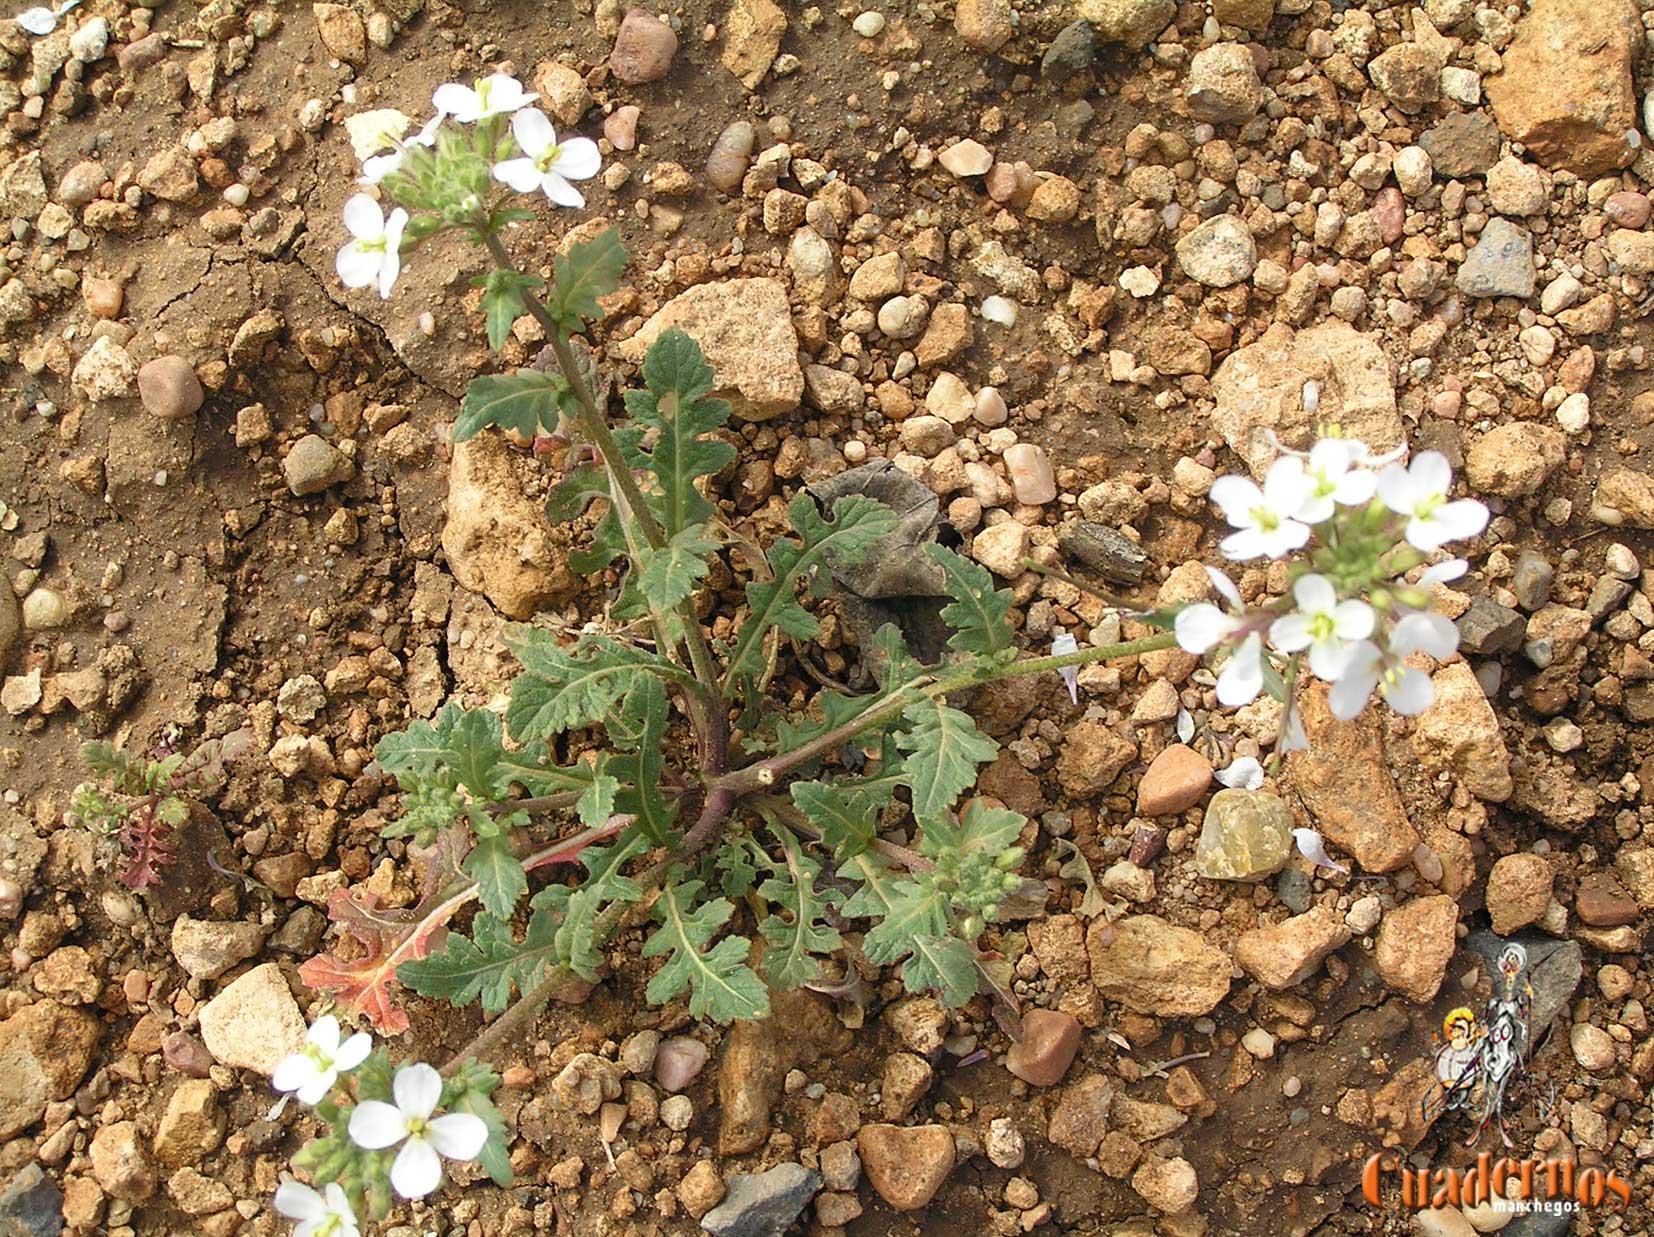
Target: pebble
1167,1185
762,1204
1518,891
1050,1040
678,1062
1285,954
1245,835
676,1112
990,409
1222,84
1032,479
206,949
985,25
1154,967
620,127
121,1164
1531,579
1219,253
1174,781
1415,944
1501,264
1593,1047
643,49
869,24
726,165
903,317
169,388
254,1022
44,609
906,1164
314,464
966,158
1413,171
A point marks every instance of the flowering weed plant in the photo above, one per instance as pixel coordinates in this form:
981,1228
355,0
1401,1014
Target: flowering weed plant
744,833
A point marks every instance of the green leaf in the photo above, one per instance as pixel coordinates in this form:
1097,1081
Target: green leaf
676,379
847,818
944,748
735,869
461,747
498,873
796,935
578,946
673,572
560,690
487,964
590,270
471,1090
643,713
720,984
914,928
502,301
981,830
857,525
979,614
527,401
597,786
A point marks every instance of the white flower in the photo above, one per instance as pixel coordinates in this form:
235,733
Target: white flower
1323,625
318,1215
1063,643
1202,626
1443,573
1335,480
1419,492
1244,774
1312,848
374,256
1267,518
494,95
548,165
1406,690
377,167
310,1072
1293,737
417,1170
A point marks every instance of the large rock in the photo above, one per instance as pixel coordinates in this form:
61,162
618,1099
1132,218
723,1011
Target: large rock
1132,22
1513,460
254,1022
906,1164
746,331
1223,85
800,1030
1261,387
1343,781
45,1050
1460,733
1287,953
1415,944
1624,498
497,539
1565,89
753,30
1154,967
758,1204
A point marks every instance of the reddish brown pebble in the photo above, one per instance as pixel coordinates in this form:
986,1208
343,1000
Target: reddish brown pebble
620,127
1050,1038
643,49
1603,902
1175,780
186,1054
1390,213
1146,845
1629,210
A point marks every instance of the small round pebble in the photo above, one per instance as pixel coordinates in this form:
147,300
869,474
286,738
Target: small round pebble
169,388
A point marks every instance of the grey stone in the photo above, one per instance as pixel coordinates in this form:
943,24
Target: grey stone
31,1205
1531,579
1112,555
1070,52
1295,891
762,1204
1606,595
1490,628
1464,144
1501,264
1246,835
314,464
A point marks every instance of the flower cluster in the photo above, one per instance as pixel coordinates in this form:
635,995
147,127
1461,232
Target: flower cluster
527,157
408,1123
1362,522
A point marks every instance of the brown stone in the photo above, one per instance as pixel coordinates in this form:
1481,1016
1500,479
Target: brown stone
906,1164
1603,902
1081,1117
1415,944
1287,953
1092,758
1343,781
1153,967
1050,1039
1175,781
1518,891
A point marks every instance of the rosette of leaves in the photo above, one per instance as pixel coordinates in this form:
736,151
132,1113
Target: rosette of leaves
141,800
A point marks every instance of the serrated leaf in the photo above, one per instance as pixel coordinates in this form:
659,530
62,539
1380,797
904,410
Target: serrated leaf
676,380
847,818
577,909
858,523
590,270
487,964
597,786
796,935
471,1090
671,573
528,402
720,984
943,748
913,928
502,301
561,690
459,746
643,713
981,829
979,613
498,873
736,871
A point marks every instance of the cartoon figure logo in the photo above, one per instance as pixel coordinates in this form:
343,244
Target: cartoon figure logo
1480,1056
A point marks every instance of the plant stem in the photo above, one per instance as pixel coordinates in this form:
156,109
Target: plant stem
765,774
511,1021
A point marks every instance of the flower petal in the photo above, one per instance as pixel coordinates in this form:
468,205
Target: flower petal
520,174
1396,490
375,1124
1425,631
417,1088
417,1170
451,99
294,1072
1226,588
297,1201
1286,485
363,218
357,267
324,1034
1355,488
534,132
1408,691
1246,544
1236,497
1349,695
579,159
1199,627
1352,620
353,1052
1242,678
1443,572
1461,520
1315,593
315,1091
1290,632
459,1135
390,266
1431,472
561,192
1245,773
1328,659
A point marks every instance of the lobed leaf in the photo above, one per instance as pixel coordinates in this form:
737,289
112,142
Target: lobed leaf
846,815
673,404
943,747
528,402
499,874
979,613
487,964
720,984
588,271
561,690
502,301
796,936
913,928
